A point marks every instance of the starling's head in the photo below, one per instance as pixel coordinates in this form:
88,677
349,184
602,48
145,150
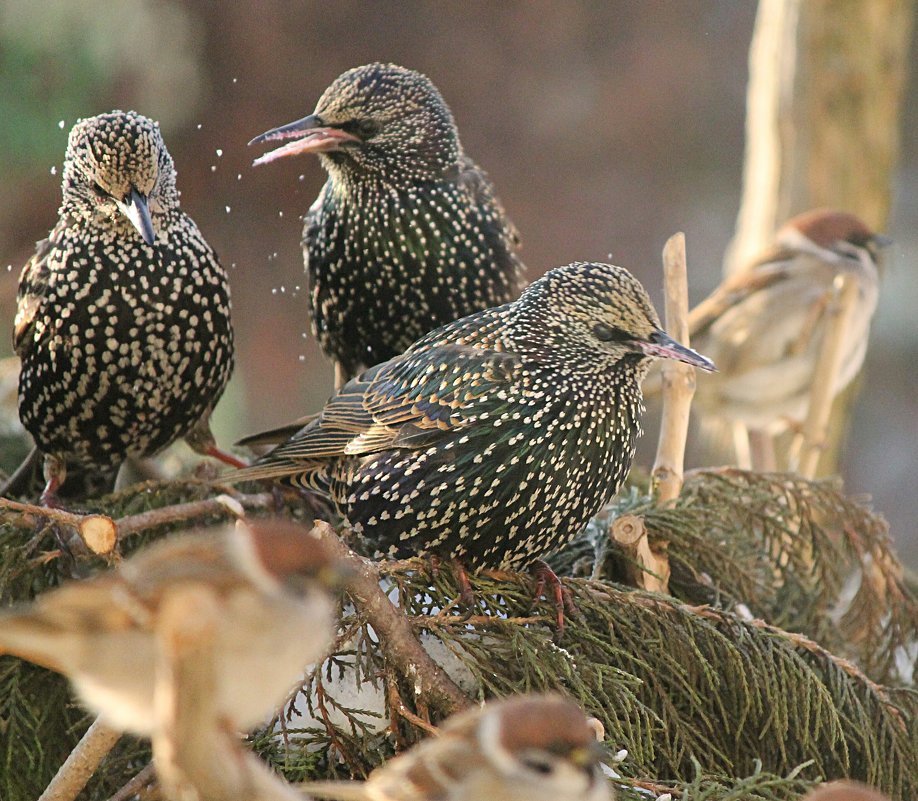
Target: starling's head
381,121
588,317
117,167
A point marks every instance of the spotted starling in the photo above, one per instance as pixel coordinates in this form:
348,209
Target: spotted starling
494,439
407,234
123,320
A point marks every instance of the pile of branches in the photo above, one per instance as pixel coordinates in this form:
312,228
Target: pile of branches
784,654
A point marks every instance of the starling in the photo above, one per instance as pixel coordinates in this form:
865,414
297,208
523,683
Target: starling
407,234
494,439
764,327
123,319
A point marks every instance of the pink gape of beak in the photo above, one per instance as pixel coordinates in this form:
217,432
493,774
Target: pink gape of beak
311,135
665,347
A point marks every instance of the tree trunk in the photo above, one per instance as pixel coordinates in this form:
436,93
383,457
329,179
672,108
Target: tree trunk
826,85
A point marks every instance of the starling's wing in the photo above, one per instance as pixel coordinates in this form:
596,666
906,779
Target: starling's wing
407,402
33,287
276,435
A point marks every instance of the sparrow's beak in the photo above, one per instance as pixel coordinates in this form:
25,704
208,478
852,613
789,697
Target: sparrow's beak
134,207
588,755
663,346
312,135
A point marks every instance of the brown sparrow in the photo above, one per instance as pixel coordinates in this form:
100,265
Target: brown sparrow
525,748
845,791
271,582
764,327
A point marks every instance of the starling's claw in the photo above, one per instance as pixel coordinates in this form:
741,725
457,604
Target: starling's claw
546,577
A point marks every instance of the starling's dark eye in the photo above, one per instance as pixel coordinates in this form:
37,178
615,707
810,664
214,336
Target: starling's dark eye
365,129
608,333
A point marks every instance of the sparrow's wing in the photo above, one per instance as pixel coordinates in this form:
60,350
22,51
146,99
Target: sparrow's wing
431,771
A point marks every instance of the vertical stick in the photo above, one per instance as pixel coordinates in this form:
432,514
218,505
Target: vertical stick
810,443
678,378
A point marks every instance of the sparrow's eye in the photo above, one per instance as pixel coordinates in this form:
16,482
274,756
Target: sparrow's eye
540,766
608,333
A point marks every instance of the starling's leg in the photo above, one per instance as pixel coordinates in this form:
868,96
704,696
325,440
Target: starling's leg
546,577
227,458
55,472
466,595
201,440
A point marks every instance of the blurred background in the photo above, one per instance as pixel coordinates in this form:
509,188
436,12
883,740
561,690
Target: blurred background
606,126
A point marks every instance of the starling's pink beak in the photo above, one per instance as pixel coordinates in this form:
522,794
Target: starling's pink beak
665,347
311,137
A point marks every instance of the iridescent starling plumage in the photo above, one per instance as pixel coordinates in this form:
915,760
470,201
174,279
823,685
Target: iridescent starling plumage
407,234
123,320
495,438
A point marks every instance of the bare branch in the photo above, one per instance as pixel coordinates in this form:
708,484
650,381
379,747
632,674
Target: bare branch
78,768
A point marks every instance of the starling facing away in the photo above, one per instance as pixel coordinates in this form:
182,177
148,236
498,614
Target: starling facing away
765,326
123,319
407,234
494,439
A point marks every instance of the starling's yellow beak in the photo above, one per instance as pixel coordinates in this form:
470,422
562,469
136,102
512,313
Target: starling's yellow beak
312,135
134,207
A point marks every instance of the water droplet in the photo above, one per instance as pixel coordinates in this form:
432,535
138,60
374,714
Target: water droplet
273,290
199,126
235,80
302,357
54,170
60,124
213,167
280,214
302,177
227,209
219,152
238,176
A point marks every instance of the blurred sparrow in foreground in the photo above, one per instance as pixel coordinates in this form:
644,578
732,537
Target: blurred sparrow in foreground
271,581
764,327
526,748
845,791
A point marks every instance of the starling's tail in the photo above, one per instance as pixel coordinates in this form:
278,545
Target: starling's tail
24,480
287,469
276,435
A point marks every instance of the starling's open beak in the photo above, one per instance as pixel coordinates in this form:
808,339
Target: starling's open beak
311,136
665,347
134,207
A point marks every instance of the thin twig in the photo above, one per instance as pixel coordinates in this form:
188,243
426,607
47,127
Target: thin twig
812,438
78,768
135,786
394,630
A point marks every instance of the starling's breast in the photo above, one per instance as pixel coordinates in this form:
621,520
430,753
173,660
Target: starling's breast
502,493
132,345
387,266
